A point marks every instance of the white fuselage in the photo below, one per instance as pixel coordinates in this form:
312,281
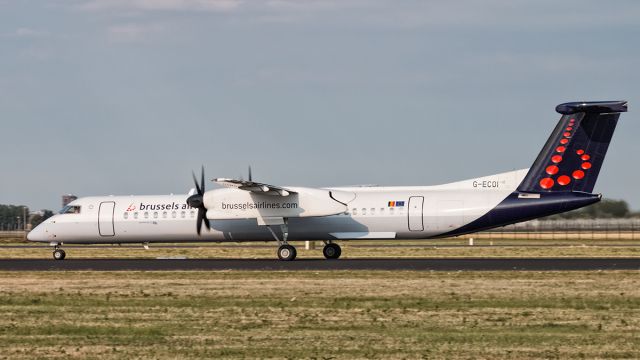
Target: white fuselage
406,212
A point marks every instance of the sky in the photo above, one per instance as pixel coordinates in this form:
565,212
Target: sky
121,97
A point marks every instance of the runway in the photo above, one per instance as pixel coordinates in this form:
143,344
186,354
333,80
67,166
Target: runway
270,246
427,264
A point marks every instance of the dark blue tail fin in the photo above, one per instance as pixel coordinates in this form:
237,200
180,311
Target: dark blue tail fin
572,157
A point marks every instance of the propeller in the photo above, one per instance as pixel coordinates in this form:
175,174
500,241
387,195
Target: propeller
196,201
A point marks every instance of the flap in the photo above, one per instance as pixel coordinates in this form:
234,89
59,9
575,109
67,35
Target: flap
255,187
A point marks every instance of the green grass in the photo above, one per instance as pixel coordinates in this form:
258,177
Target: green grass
338,314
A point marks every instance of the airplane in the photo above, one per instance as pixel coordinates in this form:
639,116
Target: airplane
561,178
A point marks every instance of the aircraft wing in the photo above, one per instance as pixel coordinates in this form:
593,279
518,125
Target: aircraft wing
255,187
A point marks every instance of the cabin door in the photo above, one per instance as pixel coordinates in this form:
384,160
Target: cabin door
106,213
416,204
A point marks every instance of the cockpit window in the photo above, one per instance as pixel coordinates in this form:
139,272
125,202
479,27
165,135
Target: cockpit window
70,209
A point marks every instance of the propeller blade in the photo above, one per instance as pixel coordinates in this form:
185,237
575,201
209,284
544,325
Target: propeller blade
199,223
195,181
202,179
198,201
250,179
206,221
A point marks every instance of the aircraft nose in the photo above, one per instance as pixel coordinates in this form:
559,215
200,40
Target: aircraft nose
37,234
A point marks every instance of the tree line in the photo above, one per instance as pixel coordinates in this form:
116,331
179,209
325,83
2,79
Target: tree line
12,217
605,209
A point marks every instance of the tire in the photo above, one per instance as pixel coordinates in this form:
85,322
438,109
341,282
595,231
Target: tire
59,254
287,253
332,251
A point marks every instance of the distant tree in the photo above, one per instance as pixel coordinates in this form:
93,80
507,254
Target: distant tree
603,209
617,209
11,216
37,219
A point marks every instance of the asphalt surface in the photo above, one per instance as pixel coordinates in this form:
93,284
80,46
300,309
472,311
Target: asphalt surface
439,264
272,246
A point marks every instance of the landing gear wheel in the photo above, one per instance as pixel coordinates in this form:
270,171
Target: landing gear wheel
332,251
287,253
59,254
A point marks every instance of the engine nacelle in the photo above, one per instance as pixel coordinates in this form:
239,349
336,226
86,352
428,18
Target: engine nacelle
227,204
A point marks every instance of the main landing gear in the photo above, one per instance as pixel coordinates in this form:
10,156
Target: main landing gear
58,253
331,251
287,252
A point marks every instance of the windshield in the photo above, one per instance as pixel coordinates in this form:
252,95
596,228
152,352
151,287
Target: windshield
70,209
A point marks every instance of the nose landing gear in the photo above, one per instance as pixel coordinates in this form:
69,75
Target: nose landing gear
58,253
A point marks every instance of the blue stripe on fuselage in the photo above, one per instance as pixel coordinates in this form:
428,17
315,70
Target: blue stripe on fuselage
516,208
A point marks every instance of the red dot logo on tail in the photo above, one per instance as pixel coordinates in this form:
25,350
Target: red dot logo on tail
564,180
578,174
546,183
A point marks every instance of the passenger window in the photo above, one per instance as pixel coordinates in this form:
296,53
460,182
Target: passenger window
355,211
164,214
126,215
135,215
364,211
183,214
146,214
174,214
381,210
373,211
391,211
155,215
192,213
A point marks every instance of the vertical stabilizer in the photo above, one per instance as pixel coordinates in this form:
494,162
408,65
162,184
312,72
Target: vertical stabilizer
573,155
